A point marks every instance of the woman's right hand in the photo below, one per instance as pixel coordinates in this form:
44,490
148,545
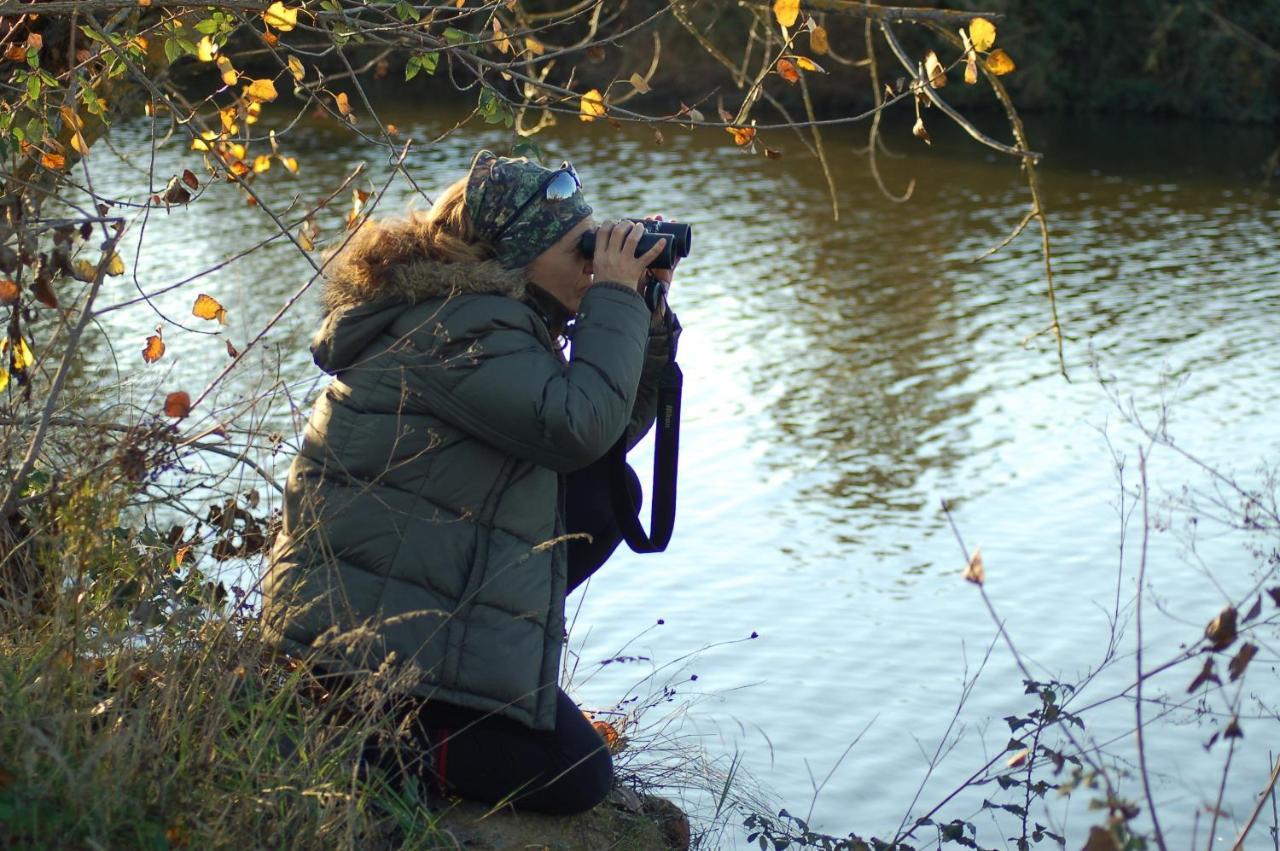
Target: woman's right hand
615,259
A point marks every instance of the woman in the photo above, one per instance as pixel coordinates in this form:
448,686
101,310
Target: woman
426,512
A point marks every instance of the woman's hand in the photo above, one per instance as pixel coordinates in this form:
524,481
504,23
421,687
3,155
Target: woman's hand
615,257
664,275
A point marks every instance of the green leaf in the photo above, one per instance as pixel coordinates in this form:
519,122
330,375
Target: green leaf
207,27
172,50
33,87
429,61
453,35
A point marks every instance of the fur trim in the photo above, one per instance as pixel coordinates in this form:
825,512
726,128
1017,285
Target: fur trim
425,280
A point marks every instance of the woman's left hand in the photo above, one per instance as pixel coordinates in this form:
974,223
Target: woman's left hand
664,275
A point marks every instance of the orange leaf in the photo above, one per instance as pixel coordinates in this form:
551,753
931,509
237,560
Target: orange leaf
9,292
53,161
788,71
742,135
177,405
153,350
238,168
974,571
261,90
344,104
207,307
999,63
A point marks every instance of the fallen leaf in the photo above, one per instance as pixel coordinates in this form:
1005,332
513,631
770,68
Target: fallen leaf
592,106
1221,631
280,17
818,41
742,135
788,72
295,68
207,307
934,71
983,34
177,405
1241,661
786,11
261,90
999,63
1206,675
154,349
973,571
9,292
638,83
229,74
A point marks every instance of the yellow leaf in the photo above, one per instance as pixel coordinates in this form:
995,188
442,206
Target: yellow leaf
252,111
207,307
78,143
261,163
639,84
934,71
206,50
999,63
295,68
534,46
344,104
229,74
970,60
115,266
290,163
154,349
236,151
983,34
973,571
202,142
592,106
807,64
818,41
71,118
500,37
228,117
84,271
261,90
23,359
238,168
786,11
279,17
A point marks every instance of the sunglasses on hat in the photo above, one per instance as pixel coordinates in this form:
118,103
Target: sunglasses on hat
563,183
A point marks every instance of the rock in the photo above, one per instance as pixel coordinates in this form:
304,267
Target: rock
624,822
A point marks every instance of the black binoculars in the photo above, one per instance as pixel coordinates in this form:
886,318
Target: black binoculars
679,237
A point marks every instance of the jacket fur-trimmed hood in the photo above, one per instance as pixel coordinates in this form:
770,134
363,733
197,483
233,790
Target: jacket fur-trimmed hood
356,311
424,280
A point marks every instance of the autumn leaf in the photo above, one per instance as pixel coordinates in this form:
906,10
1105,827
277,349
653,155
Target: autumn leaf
290,163
788,72
771,154
261,90
83,270
231,350
638,83
53,160
280,17
983,34
344,104
807,64
206,50
1019,759
1233,730
9,292
1206,675
1100,839
973,571
207,307
742,135
818,41
1241,661
261,163
934,71
189,178
177,405
175,192
592,106
154,349
115,266
970,60
1221,631
295,68
238,168
999,63
786,11
229,74
919,132
500,38
534,46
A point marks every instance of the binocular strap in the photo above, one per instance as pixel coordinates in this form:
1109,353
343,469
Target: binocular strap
666,455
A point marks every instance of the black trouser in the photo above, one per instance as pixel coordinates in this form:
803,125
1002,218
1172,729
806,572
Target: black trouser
490,758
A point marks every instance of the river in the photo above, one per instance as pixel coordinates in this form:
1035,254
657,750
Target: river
842,379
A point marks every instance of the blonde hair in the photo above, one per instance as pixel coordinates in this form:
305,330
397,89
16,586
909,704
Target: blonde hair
444,233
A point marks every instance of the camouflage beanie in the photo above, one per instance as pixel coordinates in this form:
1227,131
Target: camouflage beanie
497,187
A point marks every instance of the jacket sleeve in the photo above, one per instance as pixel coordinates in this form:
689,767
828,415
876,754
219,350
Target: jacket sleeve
494,377
663,335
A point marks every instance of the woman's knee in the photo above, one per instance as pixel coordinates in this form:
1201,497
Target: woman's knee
587,783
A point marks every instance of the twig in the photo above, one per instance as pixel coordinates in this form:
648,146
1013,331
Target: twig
1137,704
1268,792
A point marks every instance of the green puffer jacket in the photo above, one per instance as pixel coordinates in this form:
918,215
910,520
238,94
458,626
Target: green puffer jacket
422,510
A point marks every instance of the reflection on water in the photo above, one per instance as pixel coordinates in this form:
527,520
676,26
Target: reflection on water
842,378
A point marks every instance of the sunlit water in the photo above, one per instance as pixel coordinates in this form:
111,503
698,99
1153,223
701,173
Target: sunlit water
842,379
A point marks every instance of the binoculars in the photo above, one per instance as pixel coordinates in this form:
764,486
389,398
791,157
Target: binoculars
679,238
